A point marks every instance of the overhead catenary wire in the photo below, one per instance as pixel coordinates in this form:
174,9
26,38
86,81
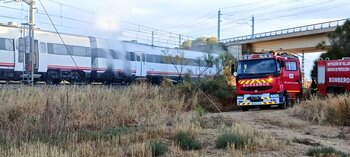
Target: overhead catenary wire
59,34
157,32
73,7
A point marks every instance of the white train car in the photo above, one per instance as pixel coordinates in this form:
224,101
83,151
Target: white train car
59,60
11,61
76,58
108,61
154,62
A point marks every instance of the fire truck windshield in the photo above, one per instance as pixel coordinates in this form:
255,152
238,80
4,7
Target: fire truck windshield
257,66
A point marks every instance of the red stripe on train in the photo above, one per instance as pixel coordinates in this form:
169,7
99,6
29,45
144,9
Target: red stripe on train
58,67
3,64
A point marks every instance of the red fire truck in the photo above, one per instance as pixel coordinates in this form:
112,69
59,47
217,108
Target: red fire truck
268,79
333,76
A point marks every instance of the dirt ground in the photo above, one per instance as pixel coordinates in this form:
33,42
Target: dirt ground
300,135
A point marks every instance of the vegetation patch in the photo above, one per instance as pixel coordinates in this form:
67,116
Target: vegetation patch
247,138
230,140
158,147
186,141
90,120
333,110
325,152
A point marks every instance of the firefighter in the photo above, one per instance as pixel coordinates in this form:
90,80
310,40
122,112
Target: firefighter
313,87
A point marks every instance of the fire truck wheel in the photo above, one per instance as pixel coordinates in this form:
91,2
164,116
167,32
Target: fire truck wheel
298,99
285,104
244,109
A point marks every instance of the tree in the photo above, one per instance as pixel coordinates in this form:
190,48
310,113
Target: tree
177,59
203,44
204,64
339,45
187,44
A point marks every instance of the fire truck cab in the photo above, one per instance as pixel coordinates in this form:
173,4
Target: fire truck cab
333,76
268,79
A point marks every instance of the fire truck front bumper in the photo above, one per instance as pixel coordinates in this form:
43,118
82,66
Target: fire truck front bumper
259,99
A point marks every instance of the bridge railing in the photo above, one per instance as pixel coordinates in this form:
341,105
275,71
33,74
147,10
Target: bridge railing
305,28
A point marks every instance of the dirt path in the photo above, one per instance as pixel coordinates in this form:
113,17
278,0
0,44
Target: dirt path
301,135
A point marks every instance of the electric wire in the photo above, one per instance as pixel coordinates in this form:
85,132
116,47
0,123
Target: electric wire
59,34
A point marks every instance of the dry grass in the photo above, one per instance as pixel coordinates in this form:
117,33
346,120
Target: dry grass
106,121
330,110
60,118
253,139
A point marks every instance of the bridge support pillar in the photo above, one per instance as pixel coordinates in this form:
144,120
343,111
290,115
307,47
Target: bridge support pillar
235,50
238,50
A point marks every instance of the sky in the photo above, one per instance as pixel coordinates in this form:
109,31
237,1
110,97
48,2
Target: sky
168,18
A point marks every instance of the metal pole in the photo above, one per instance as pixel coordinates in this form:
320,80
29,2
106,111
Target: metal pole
180,40
219,22
31,37
303,65
253,23
152,38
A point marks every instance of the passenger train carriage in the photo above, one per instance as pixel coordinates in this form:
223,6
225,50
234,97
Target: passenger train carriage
89,59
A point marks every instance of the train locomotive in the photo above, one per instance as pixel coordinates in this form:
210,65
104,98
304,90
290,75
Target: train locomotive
83,59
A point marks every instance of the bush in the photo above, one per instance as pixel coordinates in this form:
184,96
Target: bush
330,110
325,151
247,138
186,141
229,139
158,147
214,88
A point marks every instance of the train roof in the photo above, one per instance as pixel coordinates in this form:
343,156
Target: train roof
124,41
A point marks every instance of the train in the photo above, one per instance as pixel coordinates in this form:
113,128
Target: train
80,59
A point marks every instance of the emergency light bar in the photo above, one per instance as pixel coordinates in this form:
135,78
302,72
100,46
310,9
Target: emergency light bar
256,56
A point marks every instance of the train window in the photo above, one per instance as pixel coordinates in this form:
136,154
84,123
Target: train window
143,58
102,53
114,54
138,58
88,51
151,58
6,44
291,66
79,51
58,49
42,47
130,56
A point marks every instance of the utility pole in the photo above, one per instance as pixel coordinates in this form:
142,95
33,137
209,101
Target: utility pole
180,40
31,4
253,23
303,66
152,38
219,22
31,24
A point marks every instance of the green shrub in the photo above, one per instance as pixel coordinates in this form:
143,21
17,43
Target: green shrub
158,147
229,139
325,151
201,111
186,141
214,88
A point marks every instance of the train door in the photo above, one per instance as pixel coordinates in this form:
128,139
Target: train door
140,60
28,57
19,55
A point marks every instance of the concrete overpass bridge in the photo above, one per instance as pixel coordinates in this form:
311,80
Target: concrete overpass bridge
301,39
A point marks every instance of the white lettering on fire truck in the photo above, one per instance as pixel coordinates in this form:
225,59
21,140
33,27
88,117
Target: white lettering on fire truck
330,64
339,80
338,69
256,84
